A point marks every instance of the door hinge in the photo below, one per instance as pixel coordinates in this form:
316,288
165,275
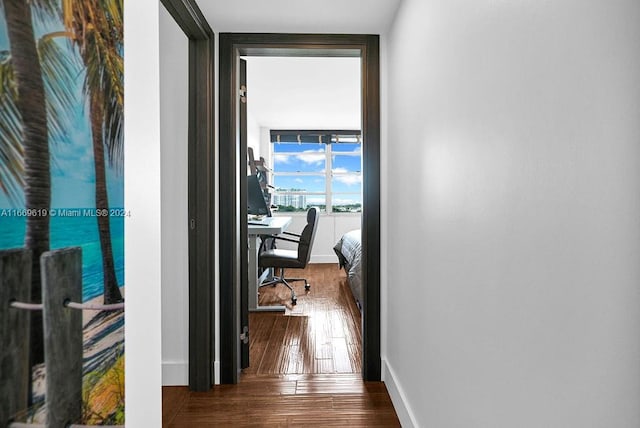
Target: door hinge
243,94
244,336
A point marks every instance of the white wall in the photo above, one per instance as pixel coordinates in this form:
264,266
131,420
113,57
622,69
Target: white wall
514,213
330,228
174,133
143,375
304,93
253,135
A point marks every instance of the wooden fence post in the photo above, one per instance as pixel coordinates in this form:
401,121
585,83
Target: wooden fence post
61,282
15,283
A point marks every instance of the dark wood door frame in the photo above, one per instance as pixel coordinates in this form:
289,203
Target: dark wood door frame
201,189
233,170
244,235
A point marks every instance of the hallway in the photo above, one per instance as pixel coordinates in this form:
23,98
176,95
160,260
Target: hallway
305,367
282,401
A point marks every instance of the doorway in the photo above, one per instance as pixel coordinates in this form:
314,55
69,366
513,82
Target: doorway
201,173
234,170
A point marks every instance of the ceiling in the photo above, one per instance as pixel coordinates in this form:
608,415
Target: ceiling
299,16
304,93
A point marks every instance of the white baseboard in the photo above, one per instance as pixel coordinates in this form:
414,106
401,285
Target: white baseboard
398,398
175,373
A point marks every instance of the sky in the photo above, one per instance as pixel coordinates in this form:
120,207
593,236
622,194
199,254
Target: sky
346,187
72,169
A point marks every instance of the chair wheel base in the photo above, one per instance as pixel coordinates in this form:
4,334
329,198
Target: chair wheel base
294,301
307,287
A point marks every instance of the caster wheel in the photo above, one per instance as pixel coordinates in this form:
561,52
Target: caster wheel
307,287
294,301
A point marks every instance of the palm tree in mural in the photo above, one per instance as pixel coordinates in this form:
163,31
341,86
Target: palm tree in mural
95,27
24,148
11,150
30,105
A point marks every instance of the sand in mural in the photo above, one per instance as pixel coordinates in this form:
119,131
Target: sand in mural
61,180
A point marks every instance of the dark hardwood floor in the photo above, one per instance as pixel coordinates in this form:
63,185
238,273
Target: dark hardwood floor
321,334
282,401
305,367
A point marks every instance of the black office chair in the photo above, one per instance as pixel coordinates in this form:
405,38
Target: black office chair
280,259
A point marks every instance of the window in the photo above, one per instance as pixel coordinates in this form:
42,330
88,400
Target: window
317,168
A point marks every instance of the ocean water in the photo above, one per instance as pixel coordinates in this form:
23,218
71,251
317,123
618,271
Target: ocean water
81,232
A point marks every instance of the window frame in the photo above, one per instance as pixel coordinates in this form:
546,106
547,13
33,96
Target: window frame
328,138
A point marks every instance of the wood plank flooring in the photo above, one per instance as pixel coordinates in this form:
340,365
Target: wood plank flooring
321,334
305,367
282,401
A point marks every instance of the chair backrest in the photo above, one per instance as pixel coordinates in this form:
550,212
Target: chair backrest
308,235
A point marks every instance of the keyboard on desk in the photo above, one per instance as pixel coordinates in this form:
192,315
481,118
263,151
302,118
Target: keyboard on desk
264,221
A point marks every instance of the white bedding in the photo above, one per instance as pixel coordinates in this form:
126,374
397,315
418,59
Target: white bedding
349,252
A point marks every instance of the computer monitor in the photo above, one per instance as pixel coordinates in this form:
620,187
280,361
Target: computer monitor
256,204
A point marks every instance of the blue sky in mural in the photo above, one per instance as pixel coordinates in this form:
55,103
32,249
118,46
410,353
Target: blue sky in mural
72,186
72,171
73,222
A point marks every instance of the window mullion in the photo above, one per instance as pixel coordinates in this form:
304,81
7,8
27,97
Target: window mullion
328,170
310,178
298,173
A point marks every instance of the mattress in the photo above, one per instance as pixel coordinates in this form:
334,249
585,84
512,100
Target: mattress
349,252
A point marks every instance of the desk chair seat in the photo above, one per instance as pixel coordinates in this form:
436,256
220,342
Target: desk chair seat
297,259
278,258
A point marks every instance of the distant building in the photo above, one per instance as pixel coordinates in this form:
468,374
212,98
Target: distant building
288,200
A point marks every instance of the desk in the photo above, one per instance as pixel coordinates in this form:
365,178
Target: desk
267,226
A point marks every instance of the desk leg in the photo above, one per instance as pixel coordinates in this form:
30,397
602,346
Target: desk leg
255,280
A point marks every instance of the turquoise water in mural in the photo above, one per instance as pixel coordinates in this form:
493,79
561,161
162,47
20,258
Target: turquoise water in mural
81,231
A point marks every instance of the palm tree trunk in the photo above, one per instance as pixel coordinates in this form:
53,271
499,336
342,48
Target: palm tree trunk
111,290
32,107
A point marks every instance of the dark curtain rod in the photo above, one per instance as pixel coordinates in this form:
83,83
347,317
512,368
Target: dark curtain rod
311,136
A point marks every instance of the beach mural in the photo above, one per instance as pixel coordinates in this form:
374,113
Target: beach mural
62,182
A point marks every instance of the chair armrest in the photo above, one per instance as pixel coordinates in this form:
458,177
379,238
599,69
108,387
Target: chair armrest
286,239
274,237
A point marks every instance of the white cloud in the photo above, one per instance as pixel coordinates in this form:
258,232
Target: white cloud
299,180
345,155
355,151
311,156
349,180
282,158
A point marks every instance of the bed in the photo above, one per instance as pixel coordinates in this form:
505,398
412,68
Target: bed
349,252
